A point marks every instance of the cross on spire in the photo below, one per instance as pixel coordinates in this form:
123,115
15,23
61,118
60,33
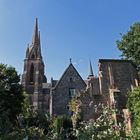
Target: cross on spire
70,60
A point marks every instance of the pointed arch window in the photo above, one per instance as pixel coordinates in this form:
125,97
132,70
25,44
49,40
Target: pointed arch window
32,73
33,56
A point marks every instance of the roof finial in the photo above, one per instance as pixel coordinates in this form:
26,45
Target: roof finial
35,39
90,69
70,60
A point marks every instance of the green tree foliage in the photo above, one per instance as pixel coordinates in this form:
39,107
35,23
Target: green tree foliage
75,109
129,44
130,47
134,106
62,128
11,93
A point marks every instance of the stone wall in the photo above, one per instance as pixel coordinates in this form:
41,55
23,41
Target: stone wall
70,80
118,74
89,105
115,77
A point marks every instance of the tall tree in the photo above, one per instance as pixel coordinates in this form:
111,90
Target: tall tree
133,104
129,44
11,93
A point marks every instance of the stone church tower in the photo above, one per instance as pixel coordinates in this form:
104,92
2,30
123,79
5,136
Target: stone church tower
33,74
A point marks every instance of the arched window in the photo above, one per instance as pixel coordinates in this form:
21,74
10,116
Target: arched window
32,73
33,56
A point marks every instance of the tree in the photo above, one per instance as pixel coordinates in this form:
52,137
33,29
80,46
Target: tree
130,47
134,106
129,44
11,93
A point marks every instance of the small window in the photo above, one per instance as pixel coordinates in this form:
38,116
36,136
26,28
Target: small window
72,92
71,80
117,99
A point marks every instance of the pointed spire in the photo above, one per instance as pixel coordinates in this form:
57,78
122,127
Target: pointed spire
39,37
35,39
90,69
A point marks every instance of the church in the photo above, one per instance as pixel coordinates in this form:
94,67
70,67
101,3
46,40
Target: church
115,78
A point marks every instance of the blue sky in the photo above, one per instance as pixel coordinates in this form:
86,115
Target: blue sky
77,29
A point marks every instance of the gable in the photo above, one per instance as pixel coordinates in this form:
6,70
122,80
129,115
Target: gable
70,76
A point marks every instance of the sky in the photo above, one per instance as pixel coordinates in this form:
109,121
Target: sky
79,29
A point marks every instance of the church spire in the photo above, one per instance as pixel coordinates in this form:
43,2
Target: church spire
35,39
39,37
90,69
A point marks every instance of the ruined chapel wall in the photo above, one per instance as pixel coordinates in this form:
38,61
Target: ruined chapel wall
119,75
